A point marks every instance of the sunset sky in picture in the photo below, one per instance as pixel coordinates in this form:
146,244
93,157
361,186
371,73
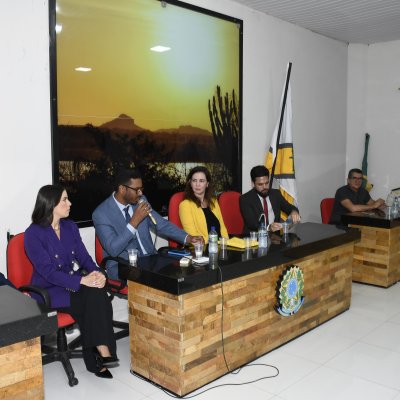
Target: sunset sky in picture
158,90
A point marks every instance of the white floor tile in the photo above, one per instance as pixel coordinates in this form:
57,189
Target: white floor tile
370,362
318,346
89,387
376,302
226,390
395,318
328,384
387,336
291,369
350,325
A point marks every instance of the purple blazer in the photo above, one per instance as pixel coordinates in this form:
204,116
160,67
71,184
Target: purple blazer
52,260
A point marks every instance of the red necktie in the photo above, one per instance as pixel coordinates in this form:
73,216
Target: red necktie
265,210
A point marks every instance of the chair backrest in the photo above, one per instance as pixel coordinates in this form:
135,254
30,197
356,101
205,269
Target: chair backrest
19,268
173,213
98,250
326,209
229,204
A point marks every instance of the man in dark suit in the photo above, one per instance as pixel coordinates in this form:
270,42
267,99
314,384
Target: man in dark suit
263,200
123,221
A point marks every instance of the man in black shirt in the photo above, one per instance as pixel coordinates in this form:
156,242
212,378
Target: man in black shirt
352,198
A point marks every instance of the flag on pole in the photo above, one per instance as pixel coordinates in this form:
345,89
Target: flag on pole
281,148
364,168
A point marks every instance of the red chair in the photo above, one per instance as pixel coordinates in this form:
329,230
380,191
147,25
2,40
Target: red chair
326,209
114,288
173,213
229,204
19,272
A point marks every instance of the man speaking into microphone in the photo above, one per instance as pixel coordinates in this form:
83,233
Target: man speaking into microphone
124,220
263,200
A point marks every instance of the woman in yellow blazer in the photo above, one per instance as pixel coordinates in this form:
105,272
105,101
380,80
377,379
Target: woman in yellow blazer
199,211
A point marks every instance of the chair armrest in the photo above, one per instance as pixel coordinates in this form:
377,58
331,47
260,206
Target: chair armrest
40,291
112,286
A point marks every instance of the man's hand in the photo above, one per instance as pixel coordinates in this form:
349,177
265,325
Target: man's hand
140,213
275,226
378,203
194,239
295,216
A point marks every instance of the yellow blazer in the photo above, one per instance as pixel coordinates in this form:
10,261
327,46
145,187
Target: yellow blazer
194,222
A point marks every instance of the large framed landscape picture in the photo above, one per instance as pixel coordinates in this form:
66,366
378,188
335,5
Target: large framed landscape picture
148,84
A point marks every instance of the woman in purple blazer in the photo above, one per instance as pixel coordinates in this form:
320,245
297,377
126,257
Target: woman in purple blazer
75,284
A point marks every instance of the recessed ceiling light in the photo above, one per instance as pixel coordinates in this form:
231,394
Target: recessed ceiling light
58,28
160,49
83,69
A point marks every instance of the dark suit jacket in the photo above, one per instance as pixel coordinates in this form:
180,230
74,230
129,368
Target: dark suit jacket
251,208
52,260
116,238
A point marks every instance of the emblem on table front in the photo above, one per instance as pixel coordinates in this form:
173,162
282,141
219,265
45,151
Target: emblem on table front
290,291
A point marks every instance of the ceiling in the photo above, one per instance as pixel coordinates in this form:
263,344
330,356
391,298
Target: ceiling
351,21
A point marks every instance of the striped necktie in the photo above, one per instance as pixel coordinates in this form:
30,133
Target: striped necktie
265,211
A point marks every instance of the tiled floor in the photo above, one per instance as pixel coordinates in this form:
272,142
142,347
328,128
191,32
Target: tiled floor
354,356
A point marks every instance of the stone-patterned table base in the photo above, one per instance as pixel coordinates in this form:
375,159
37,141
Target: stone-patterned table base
21,374
377,256
176,340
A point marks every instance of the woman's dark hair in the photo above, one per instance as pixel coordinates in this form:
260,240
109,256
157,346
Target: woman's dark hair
209,193
47,199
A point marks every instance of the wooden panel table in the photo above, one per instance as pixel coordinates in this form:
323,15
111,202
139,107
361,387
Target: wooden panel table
22,322
175,314
377,256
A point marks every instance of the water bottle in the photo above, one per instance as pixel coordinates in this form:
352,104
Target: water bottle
213,241
390,199
262,235
395,209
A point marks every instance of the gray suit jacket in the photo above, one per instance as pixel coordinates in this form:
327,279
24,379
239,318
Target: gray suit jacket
116,238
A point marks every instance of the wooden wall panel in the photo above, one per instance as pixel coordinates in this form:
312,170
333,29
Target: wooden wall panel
176,340
377,256
21,375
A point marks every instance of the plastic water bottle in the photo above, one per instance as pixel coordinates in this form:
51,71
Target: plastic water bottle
262,235
390,199
395,209
213,241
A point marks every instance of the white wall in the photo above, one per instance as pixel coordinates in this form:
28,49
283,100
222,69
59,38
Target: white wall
319,105
25,151
378,89
319,85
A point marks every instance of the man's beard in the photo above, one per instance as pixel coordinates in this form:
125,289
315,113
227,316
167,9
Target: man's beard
265,194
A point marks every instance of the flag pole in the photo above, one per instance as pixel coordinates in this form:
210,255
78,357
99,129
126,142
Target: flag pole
280,123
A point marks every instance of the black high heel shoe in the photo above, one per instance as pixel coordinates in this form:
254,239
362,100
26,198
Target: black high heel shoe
105,361
104,374
108,361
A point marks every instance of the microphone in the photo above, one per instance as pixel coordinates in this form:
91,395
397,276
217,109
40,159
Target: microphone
142,200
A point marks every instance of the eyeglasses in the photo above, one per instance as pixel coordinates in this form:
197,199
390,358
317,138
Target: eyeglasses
356,179
139,189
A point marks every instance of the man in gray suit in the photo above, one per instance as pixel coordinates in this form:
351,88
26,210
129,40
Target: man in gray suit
123,221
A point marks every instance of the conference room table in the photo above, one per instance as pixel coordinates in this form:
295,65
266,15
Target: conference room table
377,255
191,325
22,322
